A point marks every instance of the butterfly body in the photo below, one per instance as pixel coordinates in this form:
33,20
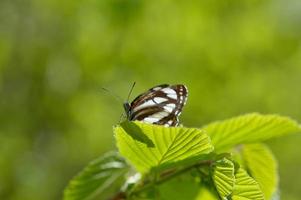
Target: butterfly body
160,105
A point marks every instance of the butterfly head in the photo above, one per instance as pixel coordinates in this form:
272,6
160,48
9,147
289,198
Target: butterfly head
126,105
127,108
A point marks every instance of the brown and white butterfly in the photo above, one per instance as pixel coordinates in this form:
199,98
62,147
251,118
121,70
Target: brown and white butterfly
160,105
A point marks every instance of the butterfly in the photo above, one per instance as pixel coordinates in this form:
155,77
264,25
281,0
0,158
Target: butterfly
160,105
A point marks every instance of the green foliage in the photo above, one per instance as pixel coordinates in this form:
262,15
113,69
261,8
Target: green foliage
204,193
245,187
95,179
249,128
148,146
236,184
261,164
180,163
186,186
223,177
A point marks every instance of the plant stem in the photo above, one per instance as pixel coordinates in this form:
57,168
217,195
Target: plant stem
173,175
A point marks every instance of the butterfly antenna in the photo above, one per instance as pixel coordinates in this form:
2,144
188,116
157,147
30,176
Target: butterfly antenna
131,90
113,94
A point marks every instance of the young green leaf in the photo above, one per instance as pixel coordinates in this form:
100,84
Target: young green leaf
262,166
205,194
249,128
182,187
246,188
147,146
99,175
223,177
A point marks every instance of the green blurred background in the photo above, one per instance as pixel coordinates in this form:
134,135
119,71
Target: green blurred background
235,56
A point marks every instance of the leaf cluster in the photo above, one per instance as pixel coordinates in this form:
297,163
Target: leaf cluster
222,160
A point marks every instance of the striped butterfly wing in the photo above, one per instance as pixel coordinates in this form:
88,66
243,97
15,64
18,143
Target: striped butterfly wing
160,105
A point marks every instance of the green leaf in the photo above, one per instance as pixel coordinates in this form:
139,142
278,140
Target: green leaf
147,146
205,194
246,188
249,128
262,166
223,177
179,188
96,178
